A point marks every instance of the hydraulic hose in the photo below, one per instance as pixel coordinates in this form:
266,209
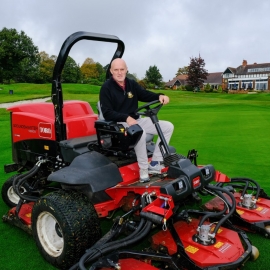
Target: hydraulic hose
211,214
247,180
231,211
140,234
21,179
96,251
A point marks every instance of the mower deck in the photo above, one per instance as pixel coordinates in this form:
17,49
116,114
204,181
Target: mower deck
253,219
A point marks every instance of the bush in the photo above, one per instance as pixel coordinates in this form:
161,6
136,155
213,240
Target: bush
220,89
189,88
208,88
95,82
182,87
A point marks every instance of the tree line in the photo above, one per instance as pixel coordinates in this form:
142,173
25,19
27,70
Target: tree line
21,62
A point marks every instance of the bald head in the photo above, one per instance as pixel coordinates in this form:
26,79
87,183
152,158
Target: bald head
119,70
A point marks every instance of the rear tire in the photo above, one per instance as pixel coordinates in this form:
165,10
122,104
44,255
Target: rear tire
64,225
9,195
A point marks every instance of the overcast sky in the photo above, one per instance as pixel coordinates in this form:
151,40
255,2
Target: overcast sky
165,33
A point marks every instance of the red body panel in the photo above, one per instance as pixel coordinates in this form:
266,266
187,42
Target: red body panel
36,120
24,214
132,264
227,249
221,177
130,175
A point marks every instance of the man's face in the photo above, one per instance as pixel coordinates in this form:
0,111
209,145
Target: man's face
119,70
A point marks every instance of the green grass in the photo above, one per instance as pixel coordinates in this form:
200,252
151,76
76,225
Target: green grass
229,131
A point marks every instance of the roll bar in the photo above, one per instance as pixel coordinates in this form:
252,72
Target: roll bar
56,94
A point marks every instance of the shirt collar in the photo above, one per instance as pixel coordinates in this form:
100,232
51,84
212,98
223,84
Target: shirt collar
122,86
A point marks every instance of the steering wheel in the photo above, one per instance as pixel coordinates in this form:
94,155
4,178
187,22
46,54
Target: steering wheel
149,111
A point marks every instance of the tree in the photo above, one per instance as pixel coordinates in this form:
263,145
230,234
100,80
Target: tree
131,76
89,69
71,71
101,72
46,67
196,72
29,70
153,76
182,71
17,52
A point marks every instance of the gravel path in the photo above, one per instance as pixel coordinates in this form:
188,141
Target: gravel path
9,104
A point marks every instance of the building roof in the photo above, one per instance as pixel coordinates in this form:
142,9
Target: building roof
246,68
214,78
180,78
253,68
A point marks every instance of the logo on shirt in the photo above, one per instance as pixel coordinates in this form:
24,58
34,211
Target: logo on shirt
130,95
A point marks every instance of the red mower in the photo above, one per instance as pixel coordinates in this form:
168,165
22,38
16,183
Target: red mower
74,169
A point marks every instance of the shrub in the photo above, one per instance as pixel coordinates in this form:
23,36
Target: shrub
208,88
189,88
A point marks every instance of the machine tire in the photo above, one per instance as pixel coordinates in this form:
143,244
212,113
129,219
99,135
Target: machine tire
9,196
64,225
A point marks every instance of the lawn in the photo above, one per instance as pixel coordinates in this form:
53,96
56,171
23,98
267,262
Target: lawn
229,131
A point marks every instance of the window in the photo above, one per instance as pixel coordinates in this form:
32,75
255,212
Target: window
261,86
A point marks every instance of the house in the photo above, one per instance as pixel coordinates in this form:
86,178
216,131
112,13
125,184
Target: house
247,76
176,82
214,80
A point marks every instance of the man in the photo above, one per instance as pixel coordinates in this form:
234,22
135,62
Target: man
119,98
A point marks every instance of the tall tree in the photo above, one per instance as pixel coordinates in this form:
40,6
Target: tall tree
15,48
182,71
71,71
101,72
196,72
89,69
46,67
131,76
153,76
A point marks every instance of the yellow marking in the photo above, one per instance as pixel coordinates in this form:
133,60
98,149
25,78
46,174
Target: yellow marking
259,208
46,147
213,228
28,215
219,231
191,249
240,212
218,245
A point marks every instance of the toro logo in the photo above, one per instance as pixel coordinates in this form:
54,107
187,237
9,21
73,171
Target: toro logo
196,182
45,130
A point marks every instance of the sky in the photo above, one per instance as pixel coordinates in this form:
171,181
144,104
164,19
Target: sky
164,33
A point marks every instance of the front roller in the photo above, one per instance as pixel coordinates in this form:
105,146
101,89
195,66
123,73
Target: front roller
61,219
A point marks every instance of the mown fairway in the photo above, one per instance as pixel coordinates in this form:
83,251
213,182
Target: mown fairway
229,131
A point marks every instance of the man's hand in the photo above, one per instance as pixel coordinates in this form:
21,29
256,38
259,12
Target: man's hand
131,121
164,99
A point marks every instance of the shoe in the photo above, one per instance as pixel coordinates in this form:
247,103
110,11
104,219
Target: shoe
155,167
144,177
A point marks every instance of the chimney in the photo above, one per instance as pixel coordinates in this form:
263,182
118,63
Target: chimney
244,63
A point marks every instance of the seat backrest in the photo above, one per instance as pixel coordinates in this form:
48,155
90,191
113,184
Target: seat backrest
100,114
149,137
